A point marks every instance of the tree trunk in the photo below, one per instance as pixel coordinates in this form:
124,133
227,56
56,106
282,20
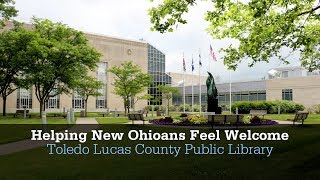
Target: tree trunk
4,107
42,108
85,107
168,106
125,106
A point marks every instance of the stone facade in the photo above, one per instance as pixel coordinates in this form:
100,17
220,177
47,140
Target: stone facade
114,52
305,90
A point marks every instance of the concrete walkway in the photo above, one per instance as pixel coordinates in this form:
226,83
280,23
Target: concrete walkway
286,122
82,125
138,122
87,121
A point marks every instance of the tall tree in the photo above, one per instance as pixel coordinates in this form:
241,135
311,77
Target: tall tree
13,60
263,28
142,97
7,10
129,82
168,92
59,56
88,86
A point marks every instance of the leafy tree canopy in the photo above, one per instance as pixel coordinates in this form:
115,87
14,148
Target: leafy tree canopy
13,59
88,86
7,10
129,81
168,92
59,57
264,28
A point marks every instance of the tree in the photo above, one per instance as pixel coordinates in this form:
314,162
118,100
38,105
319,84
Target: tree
129,82
143,97
263,28
168,92
13,60
7,10
59,56
88,86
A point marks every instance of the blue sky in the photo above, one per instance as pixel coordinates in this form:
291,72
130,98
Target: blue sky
129,19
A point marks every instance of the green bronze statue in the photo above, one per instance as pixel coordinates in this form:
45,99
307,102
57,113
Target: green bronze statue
212,91
212,96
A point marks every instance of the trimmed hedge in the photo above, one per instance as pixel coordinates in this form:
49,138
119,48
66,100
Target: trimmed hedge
156,107
244,107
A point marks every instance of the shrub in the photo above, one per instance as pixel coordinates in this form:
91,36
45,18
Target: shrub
316,109
187,107
244,107
203,107
196,108
148,108
166,119
160,107
172,108
255,120
183,115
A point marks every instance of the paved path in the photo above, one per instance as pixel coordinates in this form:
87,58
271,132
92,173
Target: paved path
82,125
87,121
138,122
286,122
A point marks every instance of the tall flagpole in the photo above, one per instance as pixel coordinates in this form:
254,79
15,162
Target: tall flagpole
200,65
184,87
192,101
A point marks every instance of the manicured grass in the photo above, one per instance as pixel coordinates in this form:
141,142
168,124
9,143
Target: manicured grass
9,134
19,120
110,120
121,120
16,132
312,118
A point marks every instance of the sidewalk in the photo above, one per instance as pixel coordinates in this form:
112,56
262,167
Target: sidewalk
28,144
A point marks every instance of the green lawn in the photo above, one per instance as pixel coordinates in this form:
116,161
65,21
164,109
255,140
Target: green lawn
9,134
312,118
12,120
110,120
120,120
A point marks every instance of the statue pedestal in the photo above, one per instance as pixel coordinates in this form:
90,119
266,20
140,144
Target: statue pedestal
213,106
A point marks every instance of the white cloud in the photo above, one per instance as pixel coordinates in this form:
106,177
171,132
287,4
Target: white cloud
129,19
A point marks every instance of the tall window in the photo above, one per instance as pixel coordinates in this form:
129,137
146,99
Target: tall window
285,74
287,94
101,101
24,98
77,101
53,102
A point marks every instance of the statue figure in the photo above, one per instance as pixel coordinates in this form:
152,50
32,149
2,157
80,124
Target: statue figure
212,95
212,91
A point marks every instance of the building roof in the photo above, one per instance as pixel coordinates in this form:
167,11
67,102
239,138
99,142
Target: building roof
287,68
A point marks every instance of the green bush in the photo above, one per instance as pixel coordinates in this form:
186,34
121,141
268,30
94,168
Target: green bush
244,107
203,107
156,107
172,108
187,107
316,109
196,108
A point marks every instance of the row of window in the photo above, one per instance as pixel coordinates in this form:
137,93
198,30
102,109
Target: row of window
225,97
54,103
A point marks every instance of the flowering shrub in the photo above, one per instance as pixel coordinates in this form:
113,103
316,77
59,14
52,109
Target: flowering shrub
184,115
191,120
255,120
265,122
